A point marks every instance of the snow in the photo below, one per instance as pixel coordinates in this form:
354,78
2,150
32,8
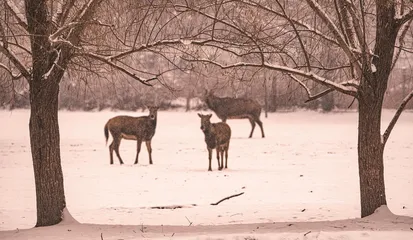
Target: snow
302,177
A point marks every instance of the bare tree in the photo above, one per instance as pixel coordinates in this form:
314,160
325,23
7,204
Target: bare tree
41,40
291,37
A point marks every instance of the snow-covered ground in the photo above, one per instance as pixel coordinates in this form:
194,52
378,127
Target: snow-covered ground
305,170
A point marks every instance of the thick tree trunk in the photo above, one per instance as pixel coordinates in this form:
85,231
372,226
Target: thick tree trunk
370,157
43,126
45,147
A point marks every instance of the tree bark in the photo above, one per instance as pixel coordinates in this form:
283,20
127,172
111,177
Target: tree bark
373,86
43,125
370,158
45,148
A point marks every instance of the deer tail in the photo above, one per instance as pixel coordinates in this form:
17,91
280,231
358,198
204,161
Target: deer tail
106,133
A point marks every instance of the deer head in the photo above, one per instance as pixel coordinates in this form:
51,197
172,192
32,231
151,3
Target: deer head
153,112
205,122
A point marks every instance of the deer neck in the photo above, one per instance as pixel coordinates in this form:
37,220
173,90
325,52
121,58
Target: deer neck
211,102
153,121
210,137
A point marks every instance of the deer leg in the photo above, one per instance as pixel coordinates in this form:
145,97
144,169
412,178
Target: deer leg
262,128
218,151
209,158
149,147
226,156
116,145
222,157
252,126
138,149
111,146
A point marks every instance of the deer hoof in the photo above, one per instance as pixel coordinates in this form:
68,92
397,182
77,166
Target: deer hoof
209,170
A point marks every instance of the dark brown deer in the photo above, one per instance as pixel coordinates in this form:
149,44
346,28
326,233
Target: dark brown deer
235,108
217,135
141,129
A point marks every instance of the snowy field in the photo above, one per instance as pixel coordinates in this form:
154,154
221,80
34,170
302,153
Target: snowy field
305,170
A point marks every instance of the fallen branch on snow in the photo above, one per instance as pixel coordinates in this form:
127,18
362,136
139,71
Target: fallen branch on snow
235,195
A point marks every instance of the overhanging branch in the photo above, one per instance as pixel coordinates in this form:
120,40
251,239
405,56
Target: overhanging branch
16,62
13,76
405,18
396,117
106,60
335,31
346,89
11,6
322,93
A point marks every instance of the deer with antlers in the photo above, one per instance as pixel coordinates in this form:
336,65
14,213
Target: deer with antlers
235,108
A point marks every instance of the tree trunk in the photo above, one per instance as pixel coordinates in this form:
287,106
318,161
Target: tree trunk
265,96
370,157
44,126
273,95
45,148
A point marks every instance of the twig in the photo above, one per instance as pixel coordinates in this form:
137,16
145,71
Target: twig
190,223
142,228
235,195
305,234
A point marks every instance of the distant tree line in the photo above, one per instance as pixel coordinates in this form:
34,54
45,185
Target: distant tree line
89,93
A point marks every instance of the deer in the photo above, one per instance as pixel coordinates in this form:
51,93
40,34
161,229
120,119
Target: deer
217,136
140,129
235,108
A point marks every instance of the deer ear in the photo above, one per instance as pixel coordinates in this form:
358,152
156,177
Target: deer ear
199,115
209,116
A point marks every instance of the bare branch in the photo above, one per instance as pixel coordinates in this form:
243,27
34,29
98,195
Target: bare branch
54,38
17,63
324,92
65,11
231,25
55,64
157,44
396,117
297,22
307,59
333,28
310,75
403,34
235,195
405,18
11,6
13,76
122,69
58,11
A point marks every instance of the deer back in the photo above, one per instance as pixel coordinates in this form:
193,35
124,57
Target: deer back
222,132
233,107
142,127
